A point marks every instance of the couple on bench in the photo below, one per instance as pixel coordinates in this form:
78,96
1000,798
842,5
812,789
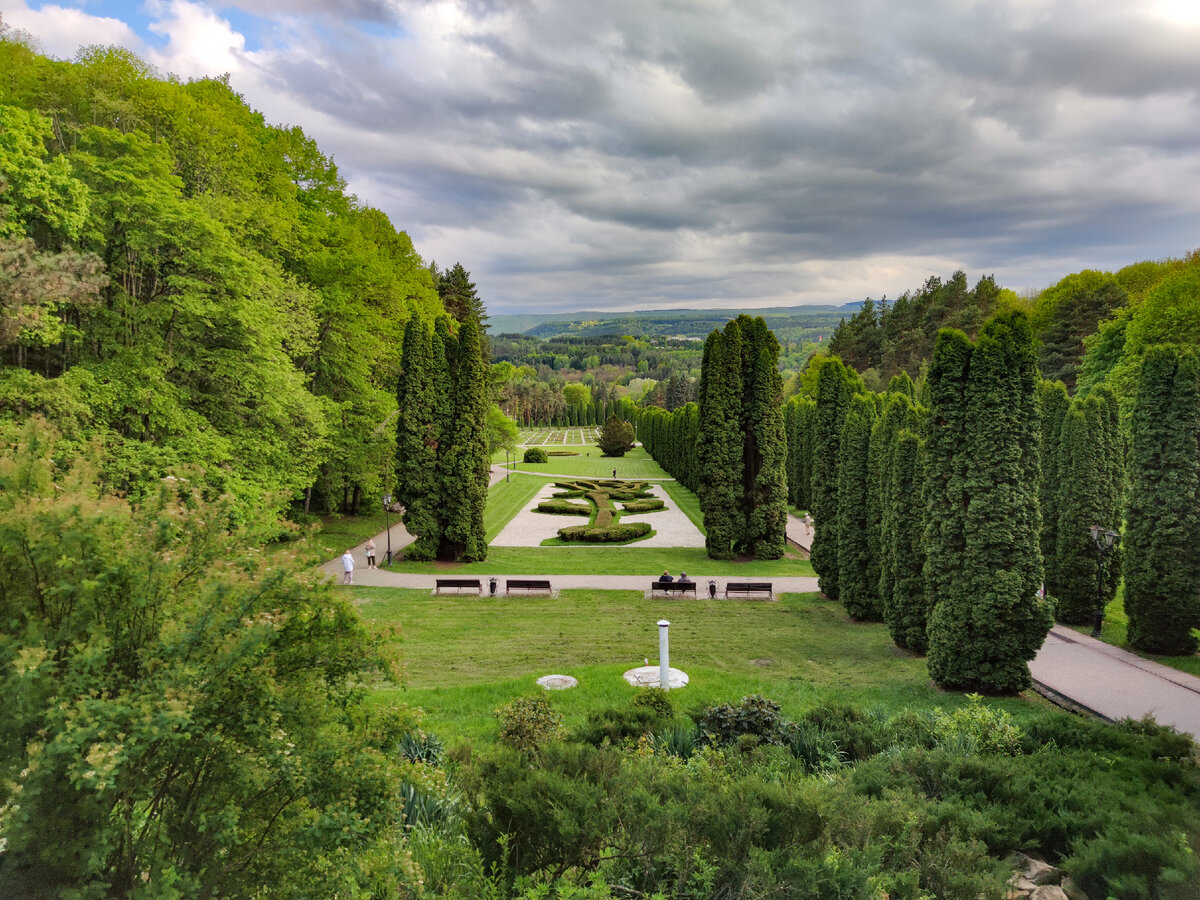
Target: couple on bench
665,578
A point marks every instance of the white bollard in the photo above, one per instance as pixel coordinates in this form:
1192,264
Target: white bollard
664,656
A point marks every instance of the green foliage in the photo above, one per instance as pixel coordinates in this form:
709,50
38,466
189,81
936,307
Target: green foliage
836,384
528,723
976,728
1162,569
902,581
799,413
610,534
535,455
195,715
616,437
984,565
755,715
1066,313
1052,395
563,508
640,506
857,589
719,440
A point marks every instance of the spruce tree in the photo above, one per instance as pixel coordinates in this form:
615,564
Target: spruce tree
1162,534
1082,502
857,590
988,620
464,467
905,603
462,301
1054,402
835,386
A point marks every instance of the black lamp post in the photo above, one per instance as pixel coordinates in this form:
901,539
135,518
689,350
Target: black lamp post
1104,541
387,522
506,468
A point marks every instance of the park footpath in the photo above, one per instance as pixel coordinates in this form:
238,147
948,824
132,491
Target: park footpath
1071,669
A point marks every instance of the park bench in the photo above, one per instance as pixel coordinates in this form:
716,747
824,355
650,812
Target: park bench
749,589
673,587
458,585
528,586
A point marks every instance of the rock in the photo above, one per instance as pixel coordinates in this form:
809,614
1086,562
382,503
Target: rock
1048,892
1033,870
1072,890
557,682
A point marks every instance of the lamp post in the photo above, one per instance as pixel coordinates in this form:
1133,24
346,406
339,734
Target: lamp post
507,470
1104,541
387,523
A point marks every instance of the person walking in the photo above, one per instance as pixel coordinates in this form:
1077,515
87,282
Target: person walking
371,554
347,568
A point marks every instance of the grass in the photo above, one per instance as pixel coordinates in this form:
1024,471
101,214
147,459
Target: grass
1116,625
466,656
620,560
634,464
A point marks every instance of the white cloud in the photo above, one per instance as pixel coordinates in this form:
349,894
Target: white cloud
199,43
62,30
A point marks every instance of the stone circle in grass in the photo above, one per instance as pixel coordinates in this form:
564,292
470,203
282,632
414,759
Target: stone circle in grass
648,676
605,527
557,682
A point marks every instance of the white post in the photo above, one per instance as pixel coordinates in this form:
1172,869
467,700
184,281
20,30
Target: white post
664,656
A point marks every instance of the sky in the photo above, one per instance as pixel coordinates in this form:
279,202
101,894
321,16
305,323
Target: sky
615,155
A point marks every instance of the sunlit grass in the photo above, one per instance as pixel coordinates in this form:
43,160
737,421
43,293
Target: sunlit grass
634,464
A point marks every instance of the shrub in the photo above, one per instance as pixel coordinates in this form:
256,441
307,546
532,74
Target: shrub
677,740
417,746
528,723
562,508
616,438
816,750
656,699
562,452
615,534
651,505
976,728
755,715
569,495
535,455
617,724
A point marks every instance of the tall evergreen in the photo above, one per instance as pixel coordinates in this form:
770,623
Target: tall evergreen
720,440
857,591
1162,534
800,411
764,459
464,466
895,413
987,620
1055,402
835,386
417,438
904,601
1113,441
462,301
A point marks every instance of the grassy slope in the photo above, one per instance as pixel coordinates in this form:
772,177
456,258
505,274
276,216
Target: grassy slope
465,656
634,464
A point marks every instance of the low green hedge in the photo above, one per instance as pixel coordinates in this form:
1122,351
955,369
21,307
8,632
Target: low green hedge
652,504
535,455
568,495
615,534
562,508
562,452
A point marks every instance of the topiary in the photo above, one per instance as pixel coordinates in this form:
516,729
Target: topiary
535,455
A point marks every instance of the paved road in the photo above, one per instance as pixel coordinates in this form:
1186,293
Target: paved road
1115,684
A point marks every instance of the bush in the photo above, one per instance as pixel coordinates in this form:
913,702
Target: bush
568,495
562,508
417,746
755,715
975,728
562,452
616,534
651,505
656,699
535,455
528,723
617,725
677,740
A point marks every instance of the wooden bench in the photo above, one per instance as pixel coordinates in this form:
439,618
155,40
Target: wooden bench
458,585
673,587
528,586
749,589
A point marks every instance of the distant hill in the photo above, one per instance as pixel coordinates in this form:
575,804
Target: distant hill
792,323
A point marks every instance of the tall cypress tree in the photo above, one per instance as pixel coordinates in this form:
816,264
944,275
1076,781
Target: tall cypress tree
835,385
988,620
764,458
1082,502
905,603
721,440
1113,439
857,590
464,466
1162,565
801,411
895,414
1055,402
418,435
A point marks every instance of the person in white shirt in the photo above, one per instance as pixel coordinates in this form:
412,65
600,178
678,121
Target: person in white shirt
347,568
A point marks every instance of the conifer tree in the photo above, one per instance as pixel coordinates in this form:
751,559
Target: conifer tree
1054,403
417,438
1113,439
987,620
764,459
895,412
464,468
835,386
857,591
721,440
800,411
1082,502
905,603
1162,534
462,301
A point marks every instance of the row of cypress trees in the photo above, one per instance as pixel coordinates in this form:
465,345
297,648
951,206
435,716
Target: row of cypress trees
671,439
441,443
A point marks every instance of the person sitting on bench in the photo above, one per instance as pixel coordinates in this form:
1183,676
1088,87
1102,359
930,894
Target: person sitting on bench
665,577
683,579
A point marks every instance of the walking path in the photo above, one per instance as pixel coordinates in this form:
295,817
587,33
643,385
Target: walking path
1071,668
1113,683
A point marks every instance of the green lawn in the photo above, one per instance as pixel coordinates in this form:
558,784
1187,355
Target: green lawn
625,560
465,656
634,464
1116,624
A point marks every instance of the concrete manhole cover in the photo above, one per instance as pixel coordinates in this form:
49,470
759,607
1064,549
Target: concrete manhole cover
557,682
763,662
647,676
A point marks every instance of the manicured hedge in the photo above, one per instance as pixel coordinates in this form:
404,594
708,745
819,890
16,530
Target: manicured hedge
562,508
567,495
652,504
535,455
614,535
562,452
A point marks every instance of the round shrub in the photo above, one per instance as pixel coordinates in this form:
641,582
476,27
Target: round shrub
528,723
535,455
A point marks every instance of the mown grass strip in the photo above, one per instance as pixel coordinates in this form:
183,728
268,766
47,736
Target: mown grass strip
578,560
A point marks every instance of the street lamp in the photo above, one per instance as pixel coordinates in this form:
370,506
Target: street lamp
387,522
506,469
1104,541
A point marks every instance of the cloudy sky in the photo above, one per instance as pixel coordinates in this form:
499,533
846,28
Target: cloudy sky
608,154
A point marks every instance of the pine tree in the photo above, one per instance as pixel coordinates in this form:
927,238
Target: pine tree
857,591
988,620
1162,534
905,603
1082,503
462,301
1054,402
464,467
835,386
